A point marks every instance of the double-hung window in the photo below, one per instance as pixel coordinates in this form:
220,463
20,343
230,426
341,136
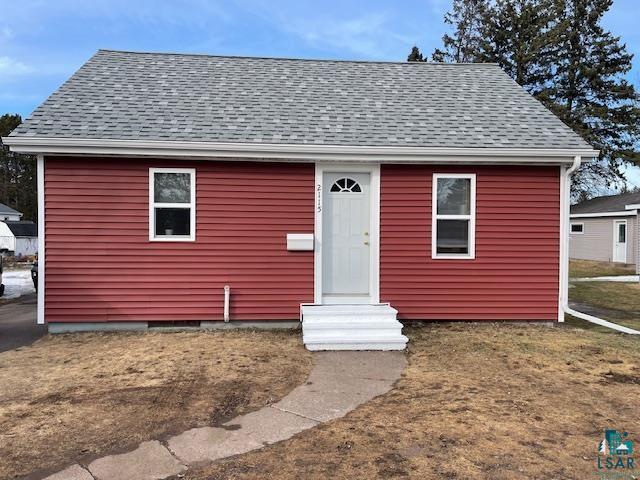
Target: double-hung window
454,215
172,204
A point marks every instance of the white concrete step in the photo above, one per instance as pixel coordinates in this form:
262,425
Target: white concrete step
342,310
352,327
353,324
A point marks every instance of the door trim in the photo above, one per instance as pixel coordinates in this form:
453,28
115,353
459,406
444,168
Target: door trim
615,239
374,258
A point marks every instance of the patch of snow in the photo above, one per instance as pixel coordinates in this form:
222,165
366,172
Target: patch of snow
619,278
17,283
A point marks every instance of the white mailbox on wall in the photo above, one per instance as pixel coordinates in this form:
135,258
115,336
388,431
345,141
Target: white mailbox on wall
300,242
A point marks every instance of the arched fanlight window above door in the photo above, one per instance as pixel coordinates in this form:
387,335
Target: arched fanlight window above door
347,185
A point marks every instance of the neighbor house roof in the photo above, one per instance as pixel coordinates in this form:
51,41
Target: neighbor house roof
606,204
200,98
4,209
23,228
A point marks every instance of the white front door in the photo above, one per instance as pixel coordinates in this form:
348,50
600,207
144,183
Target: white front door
346,237
620,241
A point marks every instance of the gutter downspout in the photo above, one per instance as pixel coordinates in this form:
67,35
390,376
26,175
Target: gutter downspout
565,188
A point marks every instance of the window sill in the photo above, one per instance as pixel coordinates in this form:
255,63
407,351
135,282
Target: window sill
172,239
452,257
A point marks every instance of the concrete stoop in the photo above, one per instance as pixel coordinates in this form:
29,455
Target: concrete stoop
352,327
337,384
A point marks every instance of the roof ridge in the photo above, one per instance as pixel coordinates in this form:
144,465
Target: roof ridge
295,59
612,195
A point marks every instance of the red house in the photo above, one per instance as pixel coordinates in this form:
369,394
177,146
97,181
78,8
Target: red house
223,191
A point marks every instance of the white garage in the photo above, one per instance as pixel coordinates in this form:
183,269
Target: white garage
20,237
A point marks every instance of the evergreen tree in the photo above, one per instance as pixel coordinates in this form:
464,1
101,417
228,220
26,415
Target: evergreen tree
518,35
415,55
590,94
467,19
17,174
603,447
559,52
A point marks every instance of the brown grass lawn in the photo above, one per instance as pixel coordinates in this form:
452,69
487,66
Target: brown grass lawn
477,401
588,268
73,397
617,302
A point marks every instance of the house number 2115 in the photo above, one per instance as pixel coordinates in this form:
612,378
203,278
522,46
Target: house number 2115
319,197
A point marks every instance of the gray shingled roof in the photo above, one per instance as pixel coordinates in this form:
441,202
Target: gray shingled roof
609,203
155,96
6,209
23,228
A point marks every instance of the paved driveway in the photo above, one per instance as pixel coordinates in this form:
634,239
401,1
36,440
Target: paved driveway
18,323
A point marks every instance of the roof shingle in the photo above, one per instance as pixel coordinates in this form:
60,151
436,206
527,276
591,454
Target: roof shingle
23,228
8,210
608,203
155,96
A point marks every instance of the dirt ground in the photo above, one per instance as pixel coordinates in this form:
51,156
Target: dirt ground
477,401
75,397
589,268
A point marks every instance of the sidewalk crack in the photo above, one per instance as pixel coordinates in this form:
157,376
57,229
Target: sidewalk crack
296,414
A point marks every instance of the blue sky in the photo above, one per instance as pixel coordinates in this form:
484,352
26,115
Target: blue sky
42,42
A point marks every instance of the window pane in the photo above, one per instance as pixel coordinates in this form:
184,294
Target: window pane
173,221
172,187
345,185
454,196
622,233
452,236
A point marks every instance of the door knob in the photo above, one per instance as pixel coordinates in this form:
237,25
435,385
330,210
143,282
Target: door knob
366,233
366,243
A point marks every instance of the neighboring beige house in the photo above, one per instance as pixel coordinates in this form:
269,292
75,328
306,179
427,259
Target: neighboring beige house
606,229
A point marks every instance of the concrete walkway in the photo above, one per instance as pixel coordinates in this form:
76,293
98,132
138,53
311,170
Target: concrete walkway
18,323
338,383
616,278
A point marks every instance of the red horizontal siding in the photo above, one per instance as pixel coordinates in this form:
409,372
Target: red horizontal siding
515,273
101,266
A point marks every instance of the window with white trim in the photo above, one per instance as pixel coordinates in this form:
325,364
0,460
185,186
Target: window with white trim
453,215
172,204
577,228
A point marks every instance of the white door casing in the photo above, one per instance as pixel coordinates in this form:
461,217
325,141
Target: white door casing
620,241
346,259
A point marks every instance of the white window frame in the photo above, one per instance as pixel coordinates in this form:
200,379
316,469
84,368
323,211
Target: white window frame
471,218
581,232
153,205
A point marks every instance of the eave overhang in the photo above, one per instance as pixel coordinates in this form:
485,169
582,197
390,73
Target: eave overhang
621,213
293,152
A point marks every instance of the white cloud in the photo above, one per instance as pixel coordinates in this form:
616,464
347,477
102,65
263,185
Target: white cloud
10,67
363,35
368,35
6,33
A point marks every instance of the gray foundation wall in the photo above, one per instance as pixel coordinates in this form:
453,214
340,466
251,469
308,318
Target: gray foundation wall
59,327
